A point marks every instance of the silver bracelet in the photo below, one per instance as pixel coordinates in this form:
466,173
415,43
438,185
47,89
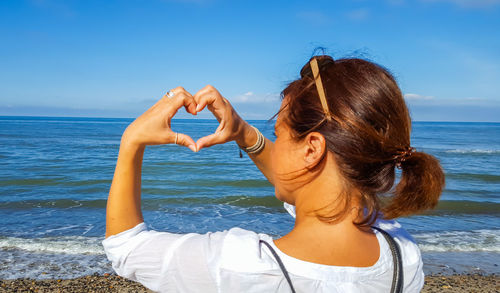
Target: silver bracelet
258,146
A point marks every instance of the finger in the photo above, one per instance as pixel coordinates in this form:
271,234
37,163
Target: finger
200,106
189,103
212,139
191,108
206,96
202,98
184,98
186,140
208,141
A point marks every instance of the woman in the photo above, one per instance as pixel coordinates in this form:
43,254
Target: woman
342,130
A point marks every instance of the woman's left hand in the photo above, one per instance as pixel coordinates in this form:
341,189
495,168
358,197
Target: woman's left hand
231,125
153,126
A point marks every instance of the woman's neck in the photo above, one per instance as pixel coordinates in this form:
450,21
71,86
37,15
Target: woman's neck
326,195
339,242
312,215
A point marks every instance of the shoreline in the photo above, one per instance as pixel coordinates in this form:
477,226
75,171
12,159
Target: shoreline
114,283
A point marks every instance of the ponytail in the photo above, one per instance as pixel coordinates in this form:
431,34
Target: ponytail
421,184
369,134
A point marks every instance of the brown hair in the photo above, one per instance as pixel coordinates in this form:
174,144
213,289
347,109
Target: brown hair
369,134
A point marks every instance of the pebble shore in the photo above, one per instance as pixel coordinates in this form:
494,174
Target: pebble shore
113,283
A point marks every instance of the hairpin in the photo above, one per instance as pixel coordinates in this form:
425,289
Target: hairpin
319,87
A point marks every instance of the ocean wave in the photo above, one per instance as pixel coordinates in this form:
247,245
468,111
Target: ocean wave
446,241
459,241
444,207
464,207
103,184
56,181
473,151
149,203
24,264
55,245
488,178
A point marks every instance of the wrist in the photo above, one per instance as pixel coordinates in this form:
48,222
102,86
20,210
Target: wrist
248,136
128,144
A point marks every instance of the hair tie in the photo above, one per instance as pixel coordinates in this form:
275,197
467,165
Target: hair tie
319,87
403,156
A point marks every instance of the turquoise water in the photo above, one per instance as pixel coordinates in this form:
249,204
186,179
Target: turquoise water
56,174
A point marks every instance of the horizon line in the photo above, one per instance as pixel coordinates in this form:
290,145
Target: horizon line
100,117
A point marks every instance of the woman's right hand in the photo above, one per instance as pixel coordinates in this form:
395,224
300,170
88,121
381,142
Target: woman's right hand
231,125
153,126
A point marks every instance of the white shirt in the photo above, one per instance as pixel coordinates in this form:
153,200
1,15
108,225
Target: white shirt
234,261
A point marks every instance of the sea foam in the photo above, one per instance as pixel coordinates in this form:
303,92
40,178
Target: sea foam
55,245
459,241
473,151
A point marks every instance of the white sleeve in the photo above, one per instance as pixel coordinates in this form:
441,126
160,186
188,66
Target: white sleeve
413,274
417,280
159,260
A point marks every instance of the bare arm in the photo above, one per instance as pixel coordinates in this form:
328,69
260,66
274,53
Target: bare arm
123,209
153,127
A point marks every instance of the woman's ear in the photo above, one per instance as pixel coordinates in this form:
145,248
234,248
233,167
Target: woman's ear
314,149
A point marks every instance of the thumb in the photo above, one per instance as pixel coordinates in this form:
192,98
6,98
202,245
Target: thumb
212,139
185,140
207,141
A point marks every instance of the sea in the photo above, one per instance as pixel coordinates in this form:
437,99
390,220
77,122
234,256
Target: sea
55,174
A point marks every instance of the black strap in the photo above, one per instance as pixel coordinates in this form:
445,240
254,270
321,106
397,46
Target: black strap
397,278
280,263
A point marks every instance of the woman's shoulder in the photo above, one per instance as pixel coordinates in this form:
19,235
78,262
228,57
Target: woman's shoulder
245,239
240,251
412,259
409,248
236,249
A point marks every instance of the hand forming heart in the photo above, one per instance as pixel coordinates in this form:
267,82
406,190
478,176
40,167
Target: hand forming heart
154,126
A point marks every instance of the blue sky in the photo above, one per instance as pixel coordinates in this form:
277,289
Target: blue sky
116,58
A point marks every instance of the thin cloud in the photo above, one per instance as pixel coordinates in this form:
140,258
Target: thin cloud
475,99
23,110
248,97
466,109
416,97
252,98
480,66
